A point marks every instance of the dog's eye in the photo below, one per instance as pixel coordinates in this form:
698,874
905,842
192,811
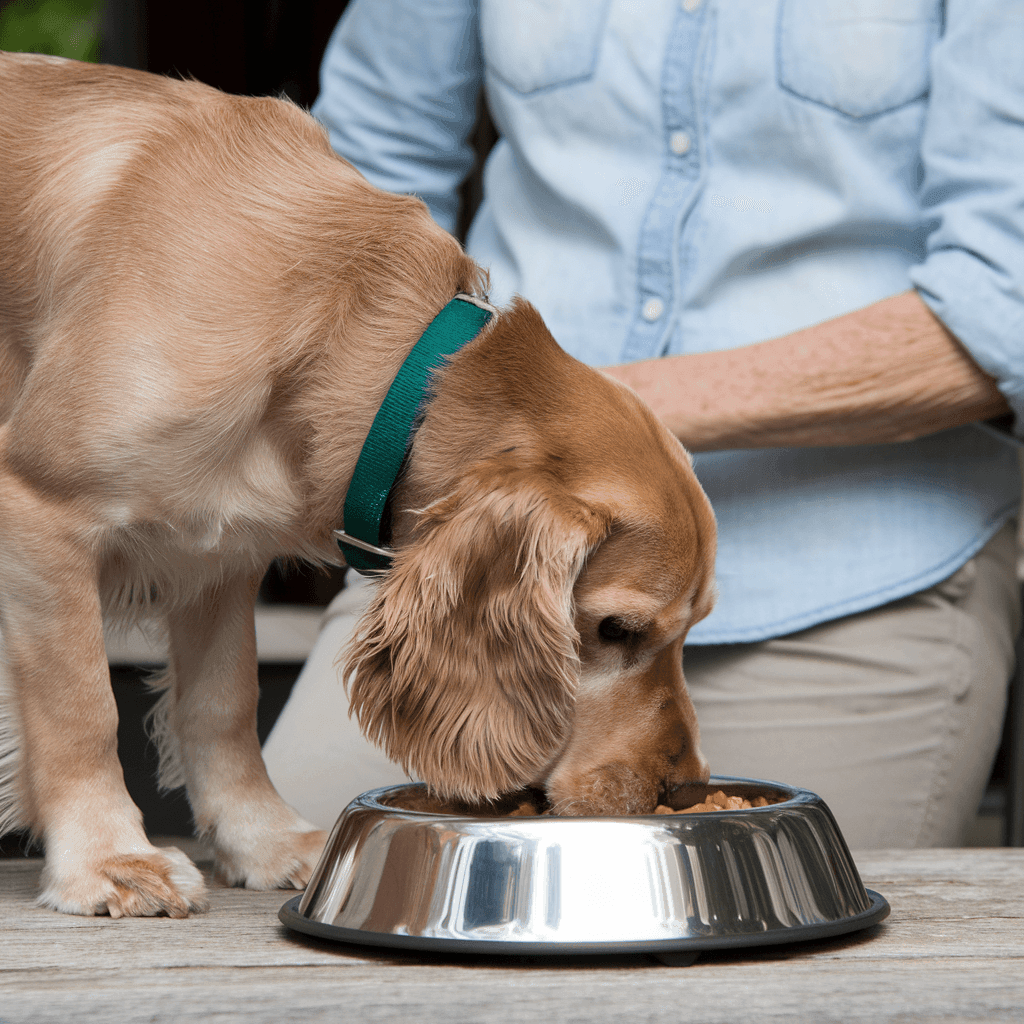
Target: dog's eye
614,632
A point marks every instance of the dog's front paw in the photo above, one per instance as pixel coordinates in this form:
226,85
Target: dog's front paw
147,884
285,861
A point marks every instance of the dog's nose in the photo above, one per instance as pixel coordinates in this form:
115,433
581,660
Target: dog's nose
684,786
680,743
689,766
687,763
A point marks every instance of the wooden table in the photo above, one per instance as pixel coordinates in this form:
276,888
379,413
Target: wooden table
952,950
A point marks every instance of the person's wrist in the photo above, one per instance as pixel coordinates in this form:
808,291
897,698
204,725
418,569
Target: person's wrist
688,410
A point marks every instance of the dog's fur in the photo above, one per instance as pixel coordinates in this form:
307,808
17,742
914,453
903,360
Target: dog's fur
201,308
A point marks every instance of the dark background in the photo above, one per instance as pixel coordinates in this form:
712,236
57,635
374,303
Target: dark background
267,47
259,47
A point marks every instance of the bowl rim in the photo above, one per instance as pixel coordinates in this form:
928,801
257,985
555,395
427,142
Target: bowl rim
373,800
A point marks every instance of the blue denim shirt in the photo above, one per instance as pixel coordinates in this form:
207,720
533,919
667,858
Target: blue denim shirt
691,175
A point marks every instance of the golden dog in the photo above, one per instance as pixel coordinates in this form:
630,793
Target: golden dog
201,309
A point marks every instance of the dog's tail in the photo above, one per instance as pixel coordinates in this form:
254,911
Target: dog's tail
12,810
171,774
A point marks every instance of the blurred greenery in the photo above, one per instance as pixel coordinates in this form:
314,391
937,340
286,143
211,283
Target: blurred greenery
64,28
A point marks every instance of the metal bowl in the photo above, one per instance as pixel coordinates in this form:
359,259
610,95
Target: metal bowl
402,870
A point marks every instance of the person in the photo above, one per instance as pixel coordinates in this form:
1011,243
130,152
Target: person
796,228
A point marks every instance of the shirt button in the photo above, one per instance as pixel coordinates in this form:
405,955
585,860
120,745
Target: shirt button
679,142
691,5
653,308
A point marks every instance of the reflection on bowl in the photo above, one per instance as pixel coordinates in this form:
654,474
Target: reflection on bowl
405,869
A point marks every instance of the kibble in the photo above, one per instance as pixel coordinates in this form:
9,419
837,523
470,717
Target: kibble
527,809
531,803
717,801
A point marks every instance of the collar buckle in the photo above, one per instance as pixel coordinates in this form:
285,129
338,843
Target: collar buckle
347,538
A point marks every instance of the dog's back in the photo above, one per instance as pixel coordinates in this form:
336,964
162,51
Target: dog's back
71,136
212,256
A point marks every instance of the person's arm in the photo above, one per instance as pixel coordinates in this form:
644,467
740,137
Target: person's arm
889,372
398,92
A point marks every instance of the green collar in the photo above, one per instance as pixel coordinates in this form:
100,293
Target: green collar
390,436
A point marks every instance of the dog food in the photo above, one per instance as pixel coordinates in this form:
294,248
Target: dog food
716,802
531,803
526,809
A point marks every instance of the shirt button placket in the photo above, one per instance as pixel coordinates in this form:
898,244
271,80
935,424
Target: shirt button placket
658,242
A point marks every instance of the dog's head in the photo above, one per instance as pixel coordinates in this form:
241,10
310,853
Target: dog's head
530,630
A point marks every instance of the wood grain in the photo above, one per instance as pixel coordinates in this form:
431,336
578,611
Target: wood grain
952,950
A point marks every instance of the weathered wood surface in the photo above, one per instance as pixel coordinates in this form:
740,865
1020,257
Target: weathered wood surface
952,950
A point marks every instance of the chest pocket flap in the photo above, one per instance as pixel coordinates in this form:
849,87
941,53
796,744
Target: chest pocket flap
859,57
532,45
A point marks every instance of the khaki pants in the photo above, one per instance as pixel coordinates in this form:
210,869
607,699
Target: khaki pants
892,715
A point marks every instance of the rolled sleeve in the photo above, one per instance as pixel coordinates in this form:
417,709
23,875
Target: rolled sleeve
398,91
973,188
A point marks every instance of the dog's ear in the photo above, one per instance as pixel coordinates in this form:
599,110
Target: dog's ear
465,666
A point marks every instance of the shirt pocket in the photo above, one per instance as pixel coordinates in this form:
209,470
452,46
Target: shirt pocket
540,44
859,57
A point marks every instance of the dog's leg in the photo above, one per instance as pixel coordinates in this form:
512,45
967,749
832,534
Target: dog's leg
260,841
67,784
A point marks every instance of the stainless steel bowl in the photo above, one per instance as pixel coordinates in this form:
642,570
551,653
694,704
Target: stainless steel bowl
400,870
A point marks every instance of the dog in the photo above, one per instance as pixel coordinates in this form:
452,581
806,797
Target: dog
201,309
